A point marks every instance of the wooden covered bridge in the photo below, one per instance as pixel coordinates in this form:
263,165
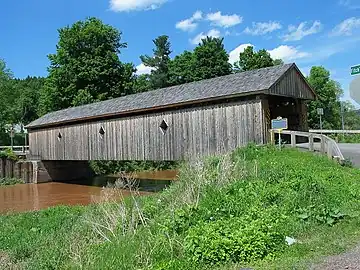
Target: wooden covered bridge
200,118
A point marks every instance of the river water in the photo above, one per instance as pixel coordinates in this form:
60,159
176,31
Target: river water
30,197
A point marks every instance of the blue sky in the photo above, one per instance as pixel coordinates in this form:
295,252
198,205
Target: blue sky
321,32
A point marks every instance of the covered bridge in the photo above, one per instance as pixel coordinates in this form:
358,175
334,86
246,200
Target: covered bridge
200,118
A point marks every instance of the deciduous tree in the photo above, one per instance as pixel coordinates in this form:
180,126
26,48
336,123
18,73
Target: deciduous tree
249,59
85,67
182,68
328,97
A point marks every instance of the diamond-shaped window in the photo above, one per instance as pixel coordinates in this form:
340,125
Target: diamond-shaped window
102,131
59,136
164,126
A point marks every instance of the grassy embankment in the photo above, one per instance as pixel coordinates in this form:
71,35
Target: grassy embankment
226,212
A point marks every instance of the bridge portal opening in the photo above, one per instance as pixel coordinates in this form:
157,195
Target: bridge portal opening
292,109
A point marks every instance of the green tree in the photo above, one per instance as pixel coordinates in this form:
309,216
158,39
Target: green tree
8,96
159,62
250,59
28,99
328,97
351,116
142,83
85,67
210,59
182,69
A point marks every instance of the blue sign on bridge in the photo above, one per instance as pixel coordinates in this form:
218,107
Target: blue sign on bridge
279,123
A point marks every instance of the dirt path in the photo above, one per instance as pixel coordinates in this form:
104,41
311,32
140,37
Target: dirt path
349,260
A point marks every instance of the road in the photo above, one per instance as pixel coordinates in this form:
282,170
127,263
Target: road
350,151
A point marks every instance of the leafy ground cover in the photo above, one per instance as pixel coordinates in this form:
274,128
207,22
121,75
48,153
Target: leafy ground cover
10,181
225,212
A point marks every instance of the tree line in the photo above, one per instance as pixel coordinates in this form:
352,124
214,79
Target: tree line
86,68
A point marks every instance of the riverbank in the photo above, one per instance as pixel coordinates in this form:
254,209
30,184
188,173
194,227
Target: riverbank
10,181
225,212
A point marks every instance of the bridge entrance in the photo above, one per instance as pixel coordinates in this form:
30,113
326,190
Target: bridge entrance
292,109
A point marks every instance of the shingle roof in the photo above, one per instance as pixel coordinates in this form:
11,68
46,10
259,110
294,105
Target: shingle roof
220,87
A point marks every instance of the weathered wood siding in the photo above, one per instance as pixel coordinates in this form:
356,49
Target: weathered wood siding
292,84
191,132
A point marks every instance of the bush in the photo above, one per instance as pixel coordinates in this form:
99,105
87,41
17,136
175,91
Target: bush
10,181
235,240
111,167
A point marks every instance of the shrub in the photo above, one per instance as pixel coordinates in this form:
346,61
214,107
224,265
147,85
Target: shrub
236,240
9,154
10,181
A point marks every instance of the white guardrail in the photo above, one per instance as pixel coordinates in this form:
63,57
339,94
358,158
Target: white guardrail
325,145
334,131
17,149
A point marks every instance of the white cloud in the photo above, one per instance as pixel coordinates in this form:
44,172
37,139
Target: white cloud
225,21
142,69
131,5
349,4
346,27
287,53
189,24
234,54
262,28
212,33
299,32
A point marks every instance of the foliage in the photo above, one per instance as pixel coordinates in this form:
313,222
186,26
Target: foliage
250,59
182,68
18,101
112,167
237,239
346,138
27,102
86,67
159,62
9,154
9,94
142,83
10,181
210,59
351,116
226,212
328,93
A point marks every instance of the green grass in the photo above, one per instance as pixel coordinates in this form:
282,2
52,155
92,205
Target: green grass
10,181
346,138
226,212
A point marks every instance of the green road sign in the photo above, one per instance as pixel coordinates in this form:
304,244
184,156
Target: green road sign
355,70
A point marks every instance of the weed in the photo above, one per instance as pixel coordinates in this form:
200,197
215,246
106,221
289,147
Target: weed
10,181
224,212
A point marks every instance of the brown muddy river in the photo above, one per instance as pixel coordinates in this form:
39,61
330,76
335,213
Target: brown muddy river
30,197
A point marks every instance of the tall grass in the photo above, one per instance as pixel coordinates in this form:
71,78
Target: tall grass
224,212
